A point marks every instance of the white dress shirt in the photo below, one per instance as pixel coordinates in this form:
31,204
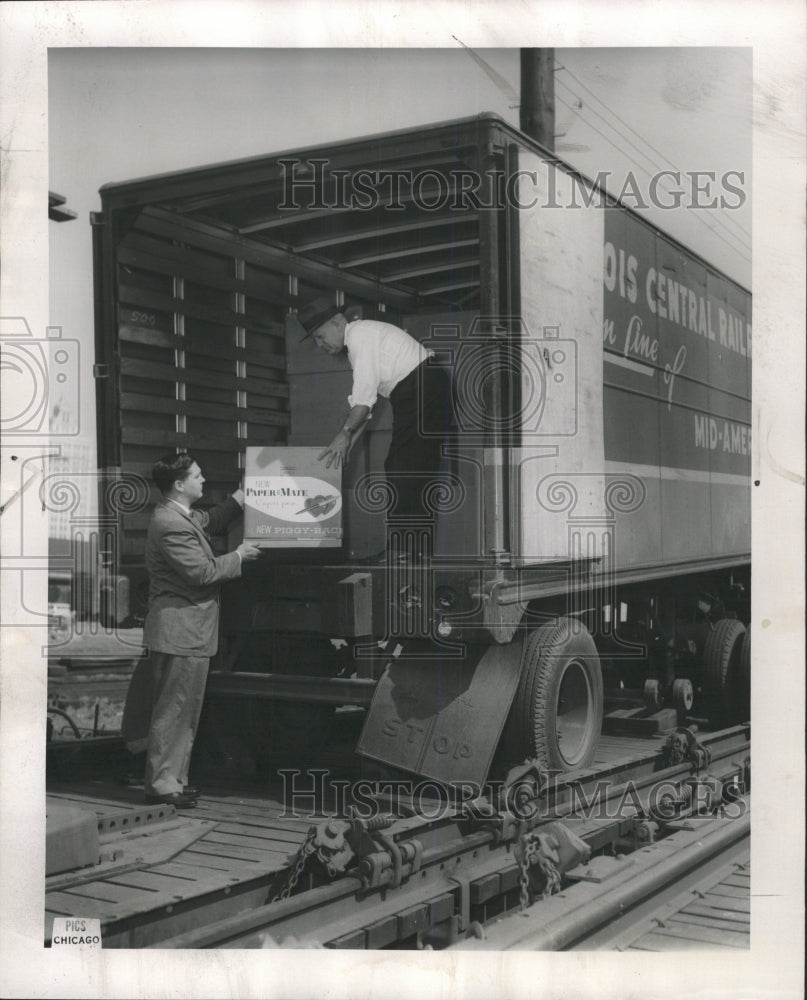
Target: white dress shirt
380,355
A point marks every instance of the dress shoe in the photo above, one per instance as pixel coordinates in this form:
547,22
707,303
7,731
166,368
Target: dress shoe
177,799
191,791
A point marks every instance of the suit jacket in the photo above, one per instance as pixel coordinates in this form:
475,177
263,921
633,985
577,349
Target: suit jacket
184,578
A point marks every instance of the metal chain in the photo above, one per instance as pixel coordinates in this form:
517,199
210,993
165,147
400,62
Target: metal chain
551,873
524,880
531,854
526,848
305,852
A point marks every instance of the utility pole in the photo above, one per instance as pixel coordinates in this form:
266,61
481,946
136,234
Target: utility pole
537,110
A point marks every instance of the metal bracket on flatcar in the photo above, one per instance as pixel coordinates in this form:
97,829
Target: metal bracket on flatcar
393,863
332,848
683,746
544,856
512,806
521,787
645,831
365,847
696,796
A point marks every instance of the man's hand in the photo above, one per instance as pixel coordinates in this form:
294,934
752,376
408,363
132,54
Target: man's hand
248,552
337,451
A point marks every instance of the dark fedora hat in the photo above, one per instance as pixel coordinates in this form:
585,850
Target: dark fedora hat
314,314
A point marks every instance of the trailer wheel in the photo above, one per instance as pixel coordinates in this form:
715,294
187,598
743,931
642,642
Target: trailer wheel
556,716
683,697
721,669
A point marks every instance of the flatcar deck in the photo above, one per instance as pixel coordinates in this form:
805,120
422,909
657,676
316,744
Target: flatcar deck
243,845
240,839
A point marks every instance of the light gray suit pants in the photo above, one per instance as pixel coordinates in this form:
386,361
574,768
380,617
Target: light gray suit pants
178,693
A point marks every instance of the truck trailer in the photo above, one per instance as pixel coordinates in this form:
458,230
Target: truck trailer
589,538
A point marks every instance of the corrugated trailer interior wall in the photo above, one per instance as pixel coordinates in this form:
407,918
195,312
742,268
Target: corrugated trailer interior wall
201,354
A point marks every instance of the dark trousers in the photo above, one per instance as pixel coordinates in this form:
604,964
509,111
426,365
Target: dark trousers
421,421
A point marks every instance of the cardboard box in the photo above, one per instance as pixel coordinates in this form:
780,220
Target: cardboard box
291,500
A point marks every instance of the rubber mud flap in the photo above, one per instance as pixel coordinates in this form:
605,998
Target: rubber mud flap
441,718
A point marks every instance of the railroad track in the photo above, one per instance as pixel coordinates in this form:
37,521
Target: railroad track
689,890
708,906
476,879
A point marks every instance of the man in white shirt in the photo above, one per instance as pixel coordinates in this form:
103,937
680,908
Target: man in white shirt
387,362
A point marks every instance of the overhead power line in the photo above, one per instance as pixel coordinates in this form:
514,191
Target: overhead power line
738,244
666,160
730,242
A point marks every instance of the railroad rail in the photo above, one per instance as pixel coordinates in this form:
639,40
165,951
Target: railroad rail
689,890
706,907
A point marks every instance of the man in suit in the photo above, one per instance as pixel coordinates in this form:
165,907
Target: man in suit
181,627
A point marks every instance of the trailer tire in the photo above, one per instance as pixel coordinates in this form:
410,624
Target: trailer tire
721,669
556,715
